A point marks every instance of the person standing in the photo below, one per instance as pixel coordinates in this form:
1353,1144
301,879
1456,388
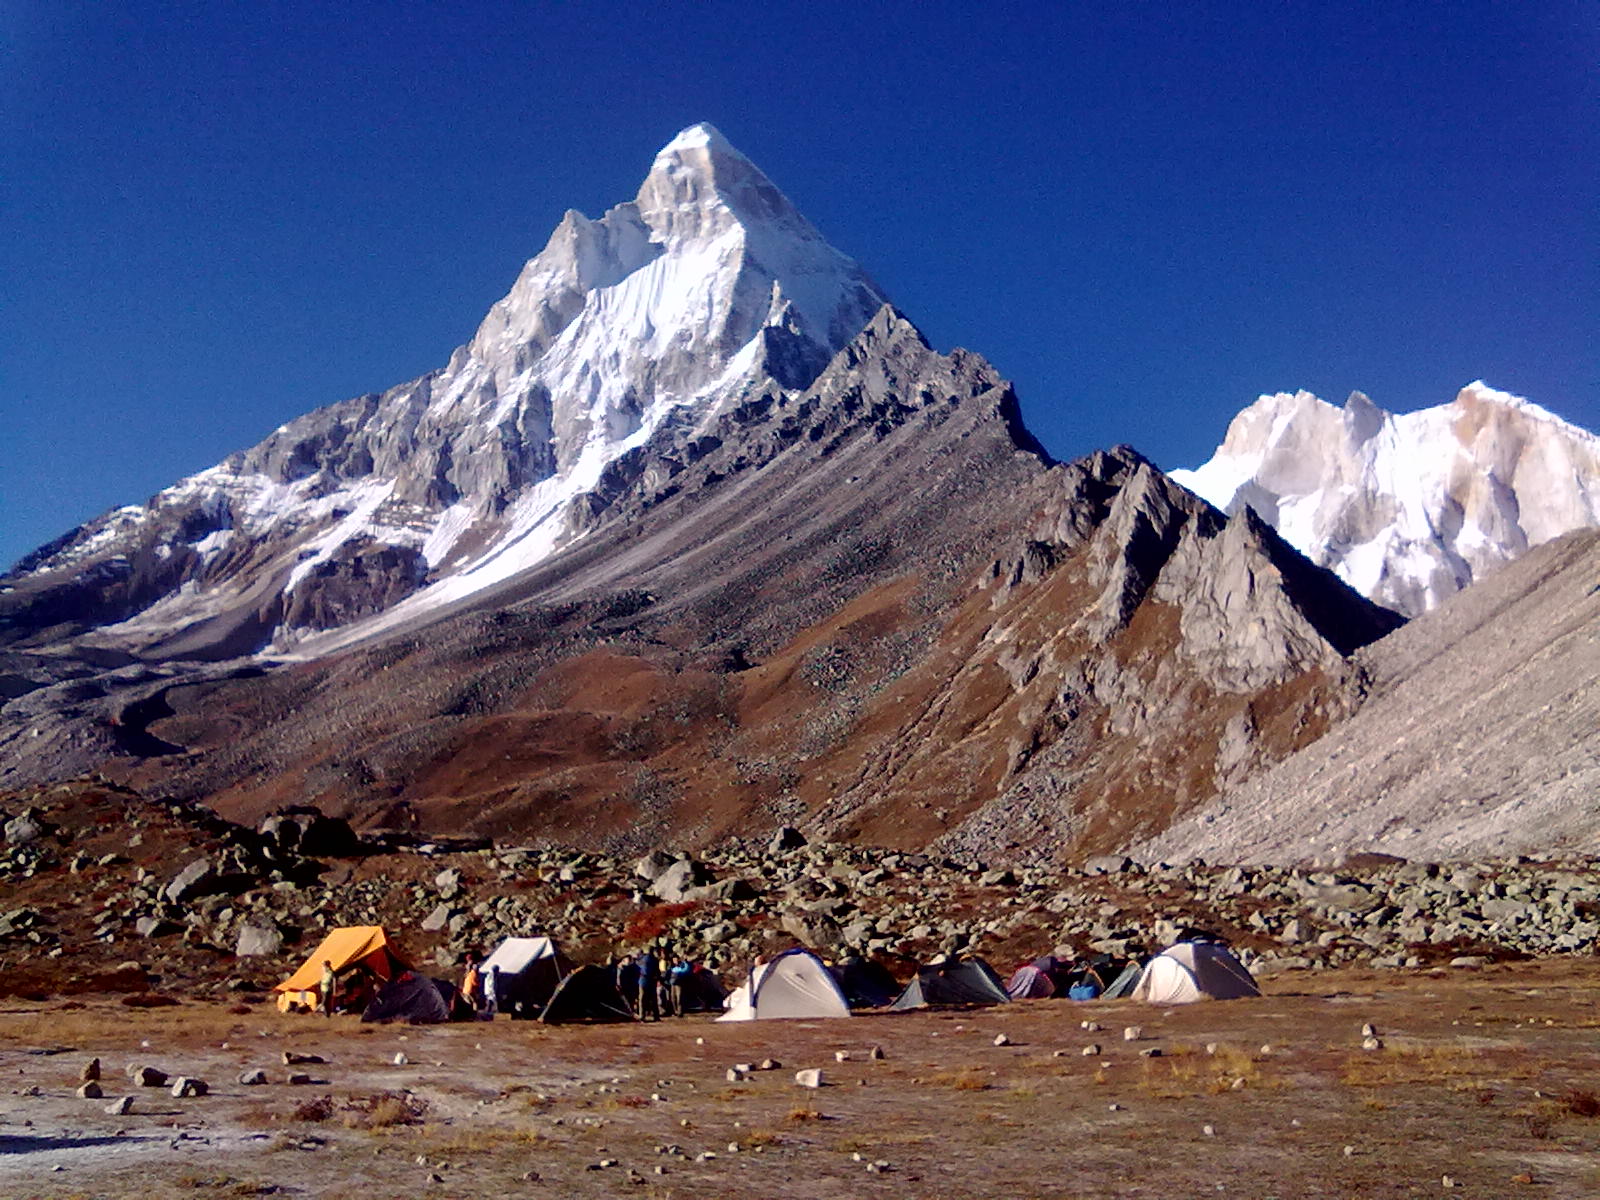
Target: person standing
628,983
491,992
649,986
472,984
330,985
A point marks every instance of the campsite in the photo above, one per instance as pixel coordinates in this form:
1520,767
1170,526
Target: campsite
1256,1097
1481,1001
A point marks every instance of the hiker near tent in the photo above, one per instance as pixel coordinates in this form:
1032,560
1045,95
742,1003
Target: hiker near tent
329,986
472,984
678,972
628,982
649,986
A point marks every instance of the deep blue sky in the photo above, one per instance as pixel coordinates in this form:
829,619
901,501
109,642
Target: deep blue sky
218,215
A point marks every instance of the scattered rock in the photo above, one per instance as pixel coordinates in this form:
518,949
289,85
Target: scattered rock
147,1076
1001,1039
1132,1033
120,1107
184,1087
90,1091
810,1077
90,1072
253,1077
293,1059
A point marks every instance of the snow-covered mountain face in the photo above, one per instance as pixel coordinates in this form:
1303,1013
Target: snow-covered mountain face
1407,508
705,287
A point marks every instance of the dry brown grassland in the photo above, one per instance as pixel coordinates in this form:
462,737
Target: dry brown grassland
1486,1077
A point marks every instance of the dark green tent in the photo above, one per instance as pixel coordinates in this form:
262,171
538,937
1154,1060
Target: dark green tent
963,981
865,984
412,998
588,994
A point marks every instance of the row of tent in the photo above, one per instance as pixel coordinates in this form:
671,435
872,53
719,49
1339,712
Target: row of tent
535,980
533,977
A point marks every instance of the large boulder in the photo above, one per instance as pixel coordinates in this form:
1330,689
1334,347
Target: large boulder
652,865
1107,864
816,930
192,881
308,831
24,828
675,884
258,937
787,838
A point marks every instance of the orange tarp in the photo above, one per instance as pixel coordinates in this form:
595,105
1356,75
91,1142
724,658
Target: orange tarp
344,948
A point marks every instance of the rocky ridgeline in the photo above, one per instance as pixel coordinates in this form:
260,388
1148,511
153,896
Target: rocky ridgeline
261,895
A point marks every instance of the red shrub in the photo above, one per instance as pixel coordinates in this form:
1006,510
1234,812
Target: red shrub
650,923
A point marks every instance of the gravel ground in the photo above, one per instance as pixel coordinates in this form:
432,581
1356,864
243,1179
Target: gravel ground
1484,1076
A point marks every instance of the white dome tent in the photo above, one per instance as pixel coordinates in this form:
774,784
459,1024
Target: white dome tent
1193,971
794,984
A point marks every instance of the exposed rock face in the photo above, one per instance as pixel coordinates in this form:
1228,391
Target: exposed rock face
1479,736
1408,509
696,294
1104,675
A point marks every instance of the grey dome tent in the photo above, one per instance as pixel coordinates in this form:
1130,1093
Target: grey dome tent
412,998
529,968
588,994
794,984
963,981
1193,971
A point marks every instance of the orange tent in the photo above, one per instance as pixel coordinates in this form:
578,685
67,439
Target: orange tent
345,948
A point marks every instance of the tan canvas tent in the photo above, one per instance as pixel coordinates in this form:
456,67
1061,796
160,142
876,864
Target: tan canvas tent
526,971
1193,971
351,947
794,984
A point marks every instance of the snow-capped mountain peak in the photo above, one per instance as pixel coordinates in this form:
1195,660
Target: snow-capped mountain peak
702,288
1408,508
